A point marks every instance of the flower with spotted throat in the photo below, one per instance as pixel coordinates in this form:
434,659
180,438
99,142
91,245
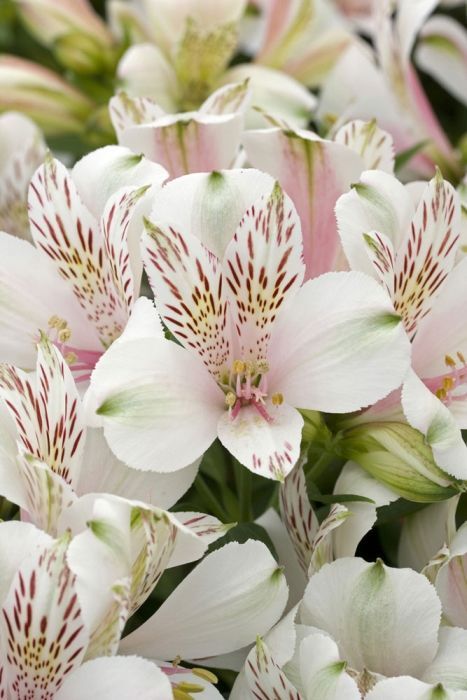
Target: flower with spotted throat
254,344
408,238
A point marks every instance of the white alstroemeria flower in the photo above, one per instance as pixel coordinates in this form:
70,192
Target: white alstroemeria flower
411,248
82,276
22,150
358,624
406,687
314,172
201,141
255,345
44,634
47,456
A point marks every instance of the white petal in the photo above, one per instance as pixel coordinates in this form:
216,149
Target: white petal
269,448
236,593
351,352
148,390
264,677
448,667
385,620
424,533
425,412
373,144
323,673
143,70
410,688
205,528
117,678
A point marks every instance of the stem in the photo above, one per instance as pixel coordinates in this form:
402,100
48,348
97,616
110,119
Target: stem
205,491
320,466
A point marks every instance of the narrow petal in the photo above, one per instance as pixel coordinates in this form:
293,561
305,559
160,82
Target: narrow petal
378,202
351,352
214,204
385,620
298,515
117,678
235,593
188,286
147,391
42,623
442,53
65,230
229,99
263,270
374,145
426,412
31,291
206,528
188,143
266,447
126,111
314,173
264,677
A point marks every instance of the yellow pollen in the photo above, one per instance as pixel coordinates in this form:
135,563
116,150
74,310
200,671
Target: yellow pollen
205,674
64,334
263,366
186,687
449,361
180,694
230,399
448,383
441,394
277,399
70,358
54,321
249,367
461,357
239,366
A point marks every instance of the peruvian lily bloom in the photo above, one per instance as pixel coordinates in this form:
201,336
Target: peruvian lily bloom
82,276
46,644
411,248
201,141
22,150
254,343
386,87
314,172
358,624
48,458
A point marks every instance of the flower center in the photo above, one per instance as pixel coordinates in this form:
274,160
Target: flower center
82,362
446,386
246,385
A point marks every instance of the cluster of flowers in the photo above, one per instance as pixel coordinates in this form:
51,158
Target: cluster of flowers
226,292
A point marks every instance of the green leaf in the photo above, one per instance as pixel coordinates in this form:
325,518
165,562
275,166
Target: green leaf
242,533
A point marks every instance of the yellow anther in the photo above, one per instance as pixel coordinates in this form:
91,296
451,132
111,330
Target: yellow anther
61,324
205,674
249,367
181,695
54,321
230,399
277,399
239,366
461,357
64,334
262,366
449,361
70,358
441,394
187,687
448,383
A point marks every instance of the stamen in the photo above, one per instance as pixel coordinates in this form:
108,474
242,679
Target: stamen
187,687
64,334
449,361
239,366
263,366
230,399
205,675
277,399
70,358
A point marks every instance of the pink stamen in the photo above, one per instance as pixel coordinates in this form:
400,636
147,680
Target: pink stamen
262,411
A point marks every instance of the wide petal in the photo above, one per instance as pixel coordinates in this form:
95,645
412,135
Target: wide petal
188,287
266,447
147,391
427,413
263,270
214,204
117,678
374,145
314,173
351,352
126,111
323,673
42,624
187,143
450,581
385,620
31,293
236,593
407,687
448,666
425,532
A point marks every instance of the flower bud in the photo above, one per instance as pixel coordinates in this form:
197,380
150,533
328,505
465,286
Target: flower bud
83,54
42,95
396,455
